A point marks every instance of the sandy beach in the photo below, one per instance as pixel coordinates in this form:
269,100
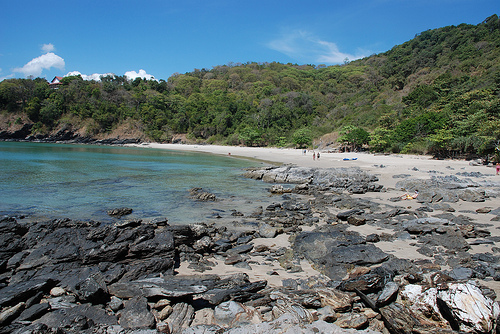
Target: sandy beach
385,167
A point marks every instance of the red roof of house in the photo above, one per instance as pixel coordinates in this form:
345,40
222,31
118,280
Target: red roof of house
56,80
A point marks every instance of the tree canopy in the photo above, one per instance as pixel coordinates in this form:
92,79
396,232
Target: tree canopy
437,93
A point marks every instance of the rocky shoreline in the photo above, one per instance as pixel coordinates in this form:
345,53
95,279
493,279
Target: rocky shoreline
65,276
62,135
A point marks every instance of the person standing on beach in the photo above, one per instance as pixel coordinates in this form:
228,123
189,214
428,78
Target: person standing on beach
318,156
314,155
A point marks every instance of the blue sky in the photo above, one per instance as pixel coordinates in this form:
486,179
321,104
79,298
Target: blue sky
159,38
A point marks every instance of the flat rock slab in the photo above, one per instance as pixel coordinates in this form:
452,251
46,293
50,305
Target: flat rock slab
67,316
334,249
157,287
22,291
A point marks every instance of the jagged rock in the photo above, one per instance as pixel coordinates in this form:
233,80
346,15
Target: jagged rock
483,210
424,225
168,286
352,320
200,195
346,214
34,312
119,212
181,317
356,220
370,282
7,315
335,250
233,259
203,244
165,312
282,307
231,314
240,249
62,302
143,268
373,238
346,178
287,323
68,317
338,301
93,289
236,287
136,314
279,189
468,308
398,318
267,231
161,244
461,273
388,294
450,239
22,291
115,304
424,304
472,195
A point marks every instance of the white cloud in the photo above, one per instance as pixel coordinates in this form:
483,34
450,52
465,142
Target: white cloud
332,54
38,64
308,48
131,75
48,47
95,76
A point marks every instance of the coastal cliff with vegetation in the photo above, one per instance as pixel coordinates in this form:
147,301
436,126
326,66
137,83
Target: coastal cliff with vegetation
438,93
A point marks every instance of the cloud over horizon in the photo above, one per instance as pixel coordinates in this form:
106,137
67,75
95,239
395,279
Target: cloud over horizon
130,75
95,76
308,48
45,62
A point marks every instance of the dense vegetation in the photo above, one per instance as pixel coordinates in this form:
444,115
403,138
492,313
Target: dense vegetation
438,93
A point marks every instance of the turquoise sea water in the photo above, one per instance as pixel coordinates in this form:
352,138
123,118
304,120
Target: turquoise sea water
83,181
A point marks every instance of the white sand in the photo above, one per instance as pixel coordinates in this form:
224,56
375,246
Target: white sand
385,167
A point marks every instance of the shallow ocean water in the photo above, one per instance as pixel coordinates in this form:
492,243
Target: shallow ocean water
81,182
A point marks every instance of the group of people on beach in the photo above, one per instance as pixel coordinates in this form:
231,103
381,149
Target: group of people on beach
315,155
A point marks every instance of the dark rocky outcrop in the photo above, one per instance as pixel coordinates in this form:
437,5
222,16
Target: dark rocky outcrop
335,250
64,276
352,179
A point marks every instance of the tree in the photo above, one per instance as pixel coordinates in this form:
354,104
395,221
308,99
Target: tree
302,137
250,136
354,136
380,139
49,113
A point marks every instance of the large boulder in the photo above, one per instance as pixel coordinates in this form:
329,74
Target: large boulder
136,314
334,250
353,179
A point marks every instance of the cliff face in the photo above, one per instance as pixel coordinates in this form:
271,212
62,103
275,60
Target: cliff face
18,127
14,126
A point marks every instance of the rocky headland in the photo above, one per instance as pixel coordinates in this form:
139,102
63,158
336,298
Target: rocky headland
322,258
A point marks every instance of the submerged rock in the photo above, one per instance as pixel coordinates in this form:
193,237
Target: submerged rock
119,212
201,195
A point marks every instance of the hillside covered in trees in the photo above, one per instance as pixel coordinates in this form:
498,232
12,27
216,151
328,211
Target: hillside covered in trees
438,93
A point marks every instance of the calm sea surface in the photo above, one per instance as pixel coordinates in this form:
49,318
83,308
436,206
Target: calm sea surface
83,181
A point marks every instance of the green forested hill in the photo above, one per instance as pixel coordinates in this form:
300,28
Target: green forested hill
437,93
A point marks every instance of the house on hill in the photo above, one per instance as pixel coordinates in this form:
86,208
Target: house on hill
55,82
